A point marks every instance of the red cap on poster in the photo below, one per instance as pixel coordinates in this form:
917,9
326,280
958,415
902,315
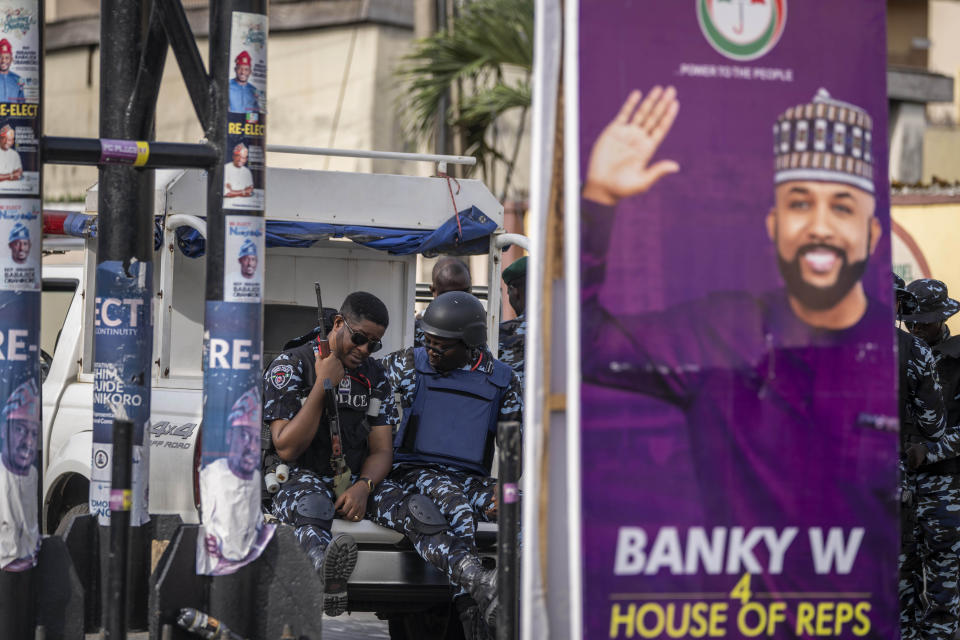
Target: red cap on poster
5,46
242,58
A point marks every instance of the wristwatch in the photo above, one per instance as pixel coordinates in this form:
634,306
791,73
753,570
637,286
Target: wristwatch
367,480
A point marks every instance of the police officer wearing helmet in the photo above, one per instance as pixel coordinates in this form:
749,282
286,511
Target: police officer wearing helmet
448,274
454,392
927,531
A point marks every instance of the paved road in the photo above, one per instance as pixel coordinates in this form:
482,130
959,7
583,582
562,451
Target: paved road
356,626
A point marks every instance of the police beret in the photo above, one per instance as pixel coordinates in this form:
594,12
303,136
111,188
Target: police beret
515,271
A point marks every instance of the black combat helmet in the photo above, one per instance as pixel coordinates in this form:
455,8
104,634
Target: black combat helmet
456,314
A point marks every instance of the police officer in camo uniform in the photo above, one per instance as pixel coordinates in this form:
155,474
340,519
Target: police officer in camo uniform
925,546
449,274
513,333
295,413
454,392
927,321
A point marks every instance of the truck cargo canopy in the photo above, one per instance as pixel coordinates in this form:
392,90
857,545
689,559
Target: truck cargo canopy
466,233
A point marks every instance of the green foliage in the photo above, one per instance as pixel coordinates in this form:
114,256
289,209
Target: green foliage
489,40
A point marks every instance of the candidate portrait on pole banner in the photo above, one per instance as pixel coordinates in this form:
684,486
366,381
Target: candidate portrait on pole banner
738,405
244,169
232,533
19,428
19,97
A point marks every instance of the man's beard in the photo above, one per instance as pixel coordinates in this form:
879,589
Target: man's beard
814,297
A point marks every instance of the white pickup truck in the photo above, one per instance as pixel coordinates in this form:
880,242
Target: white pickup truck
389,577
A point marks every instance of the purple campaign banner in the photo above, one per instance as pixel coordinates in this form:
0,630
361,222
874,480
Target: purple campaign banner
739,445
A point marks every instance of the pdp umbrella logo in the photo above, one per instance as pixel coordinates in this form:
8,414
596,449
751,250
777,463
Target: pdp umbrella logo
742,29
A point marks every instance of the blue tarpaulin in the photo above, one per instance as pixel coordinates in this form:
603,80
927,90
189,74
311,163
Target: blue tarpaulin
466,233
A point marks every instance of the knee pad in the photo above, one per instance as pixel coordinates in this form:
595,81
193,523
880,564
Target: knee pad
314,508
427,518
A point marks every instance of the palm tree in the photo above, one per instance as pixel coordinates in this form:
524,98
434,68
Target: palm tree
485,58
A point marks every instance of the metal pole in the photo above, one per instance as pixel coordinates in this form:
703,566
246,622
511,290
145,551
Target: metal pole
381,155
234,282
443,105
115,627
20,292
508,530
132,55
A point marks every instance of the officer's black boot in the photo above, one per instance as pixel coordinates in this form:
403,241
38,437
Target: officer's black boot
482,585
335,566
474,626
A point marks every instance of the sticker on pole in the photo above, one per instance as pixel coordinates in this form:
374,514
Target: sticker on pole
19,96
232,533
243,268
244,171
20,226
123,341
19,429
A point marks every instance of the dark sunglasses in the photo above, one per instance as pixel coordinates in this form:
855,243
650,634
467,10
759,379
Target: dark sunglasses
361,339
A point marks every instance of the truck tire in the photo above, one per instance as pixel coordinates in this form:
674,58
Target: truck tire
81,509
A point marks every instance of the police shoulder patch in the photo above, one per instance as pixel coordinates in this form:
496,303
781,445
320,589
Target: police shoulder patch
280,375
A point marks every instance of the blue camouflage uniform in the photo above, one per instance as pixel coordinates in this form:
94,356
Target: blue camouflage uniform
11,87
928,532
286,383
417,332
937,486
243,97
513,334
289,379
463,495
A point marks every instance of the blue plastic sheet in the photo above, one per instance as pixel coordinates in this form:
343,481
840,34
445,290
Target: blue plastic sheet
469,235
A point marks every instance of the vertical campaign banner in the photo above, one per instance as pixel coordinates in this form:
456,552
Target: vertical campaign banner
19,374
19,97
233,532
738,412
244,171
243,255
122,327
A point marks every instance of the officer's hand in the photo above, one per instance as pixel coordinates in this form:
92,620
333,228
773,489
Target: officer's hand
916,454
352,503
491,512
330,368
618,163
213,548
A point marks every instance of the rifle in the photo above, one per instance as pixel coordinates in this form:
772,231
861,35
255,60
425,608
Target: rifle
338,462
322,341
